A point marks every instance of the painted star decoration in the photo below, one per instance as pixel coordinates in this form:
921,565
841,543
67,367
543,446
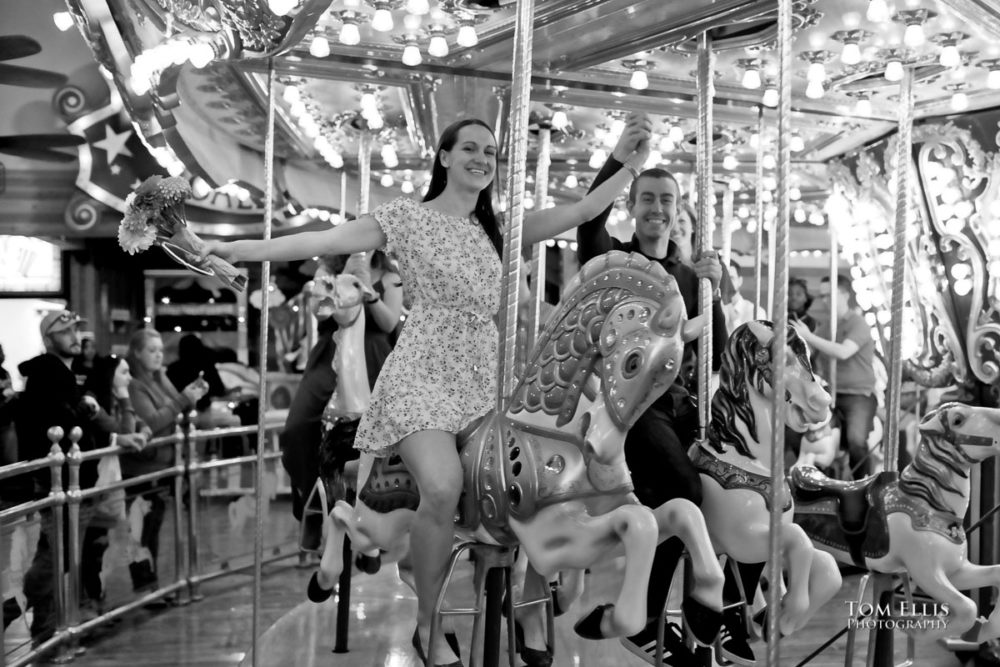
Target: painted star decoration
114,143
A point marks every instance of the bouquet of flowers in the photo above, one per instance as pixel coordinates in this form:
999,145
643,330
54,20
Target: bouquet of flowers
154,215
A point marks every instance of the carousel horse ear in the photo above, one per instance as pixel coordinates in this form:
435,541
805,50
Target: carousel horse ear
764,334
934,422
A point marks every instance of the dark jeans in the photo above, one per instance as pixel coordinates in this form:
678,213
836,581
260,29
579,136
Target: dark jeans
857,418
661,470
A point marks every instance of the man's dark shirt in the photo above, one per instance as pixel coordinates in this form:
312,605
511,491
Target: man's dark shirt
593,240
51,397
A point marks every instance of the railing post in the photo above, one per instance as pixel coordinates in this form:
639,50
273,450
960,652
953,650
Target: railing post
58,495
181,568
192,476
73,533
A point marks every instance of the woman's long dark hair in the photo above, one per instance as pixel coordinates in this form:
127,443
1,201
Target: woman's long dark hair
99,382
439,178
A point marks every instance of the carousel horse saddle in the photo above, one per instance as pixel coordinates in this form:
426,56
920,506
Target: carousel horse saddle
853,504
389,487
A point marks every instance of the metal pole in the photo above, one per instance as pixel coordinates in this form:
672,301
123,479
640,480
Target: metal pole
706,69
517,159
728,223
895,360
758,289
538,250
265,281
834,296
364,172
193,475
780,317
180,566
56,492
72,598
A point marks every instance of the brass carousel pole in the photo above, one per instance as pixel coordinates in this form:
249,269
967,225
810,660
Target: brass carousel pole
779,315
834,296
265,281
881,647
538,250
758,289
706,69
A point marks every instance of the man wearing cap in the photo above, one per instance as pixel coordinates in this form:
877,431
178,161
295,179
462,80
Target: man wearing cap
52,396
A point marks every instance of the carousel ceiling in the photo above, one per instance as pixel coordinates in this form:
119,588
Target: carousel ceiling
193,73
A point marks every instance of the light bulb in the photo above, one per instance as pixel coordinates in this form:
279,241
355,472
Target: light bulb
598,158
418,6
666,145
817,72
411,22
730,162
319,48
350,35
375,121
63,20
768,162
291,94
438,46
735,185
467,36
914,35
993,79
406,187
878,11
202,54
770,97
950,57
851,55
559,121
571,181
794,193
411,55
281,7
863,107
815,90
617,127
754,139
389,156
369,103
959,101
382,21
799,215
639,80
655,158
797,144
676,134
386,180
335,159
751,78
894,70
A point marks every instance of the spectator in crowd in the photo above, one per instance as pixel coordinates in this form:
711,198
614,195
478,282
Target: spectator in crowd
83,363
51,397
157,405
799,302
8,438
194,360
738,310
854,351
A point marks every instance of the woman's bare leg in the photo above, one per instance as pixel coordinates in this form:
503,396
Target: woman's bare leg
432,459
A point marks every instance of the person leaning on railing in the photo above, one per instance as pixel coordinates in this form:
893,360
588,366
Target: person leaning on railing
157,405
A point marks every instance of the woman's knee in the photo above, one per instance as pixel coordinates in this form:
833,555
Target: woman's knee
441,494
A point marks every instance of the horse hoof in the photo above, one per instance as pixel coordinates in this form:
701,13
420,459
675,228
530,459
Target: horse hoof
368,564
702,622
315,592
589,627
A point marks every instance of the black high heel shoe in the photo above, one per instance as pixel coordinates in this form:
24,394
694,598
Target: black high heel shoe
452,644
315,592
532,657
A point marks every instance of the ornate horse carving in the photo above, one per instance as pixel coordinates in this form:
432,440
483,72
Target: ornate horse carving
549,473
735,467
912,521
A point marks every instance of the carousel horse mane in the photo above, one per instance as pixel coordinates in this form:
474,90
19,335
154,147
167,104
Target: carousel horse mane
566,352
745,363
937,461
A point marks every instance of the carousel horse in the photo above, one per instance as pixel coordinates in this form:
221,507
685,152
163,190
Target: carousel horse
912,521
549,472
735,468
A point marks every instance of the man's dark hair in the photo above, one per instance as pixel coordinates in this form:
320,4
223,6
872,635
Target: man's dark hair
655,172
845,285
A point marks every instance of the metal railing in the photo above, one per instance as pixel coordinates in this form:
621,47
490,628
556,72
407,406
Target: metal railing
61,510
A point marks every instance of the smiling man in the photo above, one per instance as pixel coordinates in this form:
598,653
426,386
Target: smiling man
656,447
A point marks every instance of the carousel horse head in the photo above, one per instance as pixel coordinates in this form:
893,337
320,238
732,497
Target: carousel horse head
342,296
957,436
746,373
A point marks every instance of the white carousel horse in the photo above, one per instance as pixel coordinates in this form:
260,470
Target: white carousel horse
735,467
912,522
819,446
549,473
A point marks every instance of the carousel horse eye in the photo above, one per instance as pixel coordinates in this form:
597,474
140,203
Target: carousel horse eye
632,364
788,395
958,420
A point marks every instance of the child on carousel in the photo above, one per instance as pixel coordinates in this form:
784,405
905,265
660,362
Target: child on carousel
442,374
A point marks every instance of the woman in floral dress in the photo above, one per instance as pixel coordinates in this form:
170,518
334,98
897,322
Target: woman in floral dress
442,374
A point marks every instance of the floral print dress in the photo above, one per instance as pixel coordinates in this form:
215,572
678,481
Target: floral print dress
442,373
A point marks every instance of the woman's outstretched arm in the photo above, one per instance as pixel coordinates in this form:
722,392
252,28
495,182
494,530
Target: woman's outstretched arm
353,236
551,222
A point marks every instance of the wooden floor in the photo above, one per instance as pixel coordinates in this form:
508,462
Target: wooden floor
217,630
